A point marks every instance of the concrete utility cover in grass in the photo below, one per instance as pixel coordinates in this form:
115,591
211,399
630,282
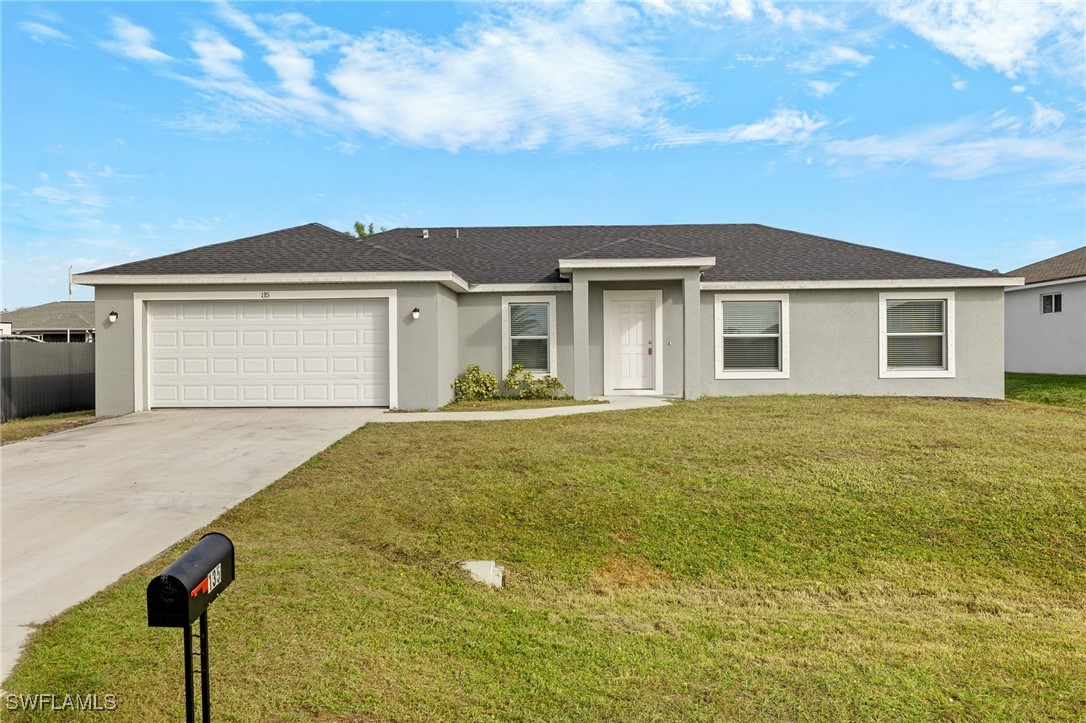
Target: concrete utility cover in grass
484,571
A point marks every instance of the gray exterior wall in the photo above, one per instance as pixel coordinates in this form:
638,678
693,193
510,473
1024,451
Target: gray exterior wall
1046,343
834,339
834,342
481,334
421,357
422,382
113,355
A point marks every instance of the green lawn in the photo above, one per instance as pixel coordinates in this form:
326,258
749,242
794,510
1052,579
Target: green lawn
15,430
779,558
1063,390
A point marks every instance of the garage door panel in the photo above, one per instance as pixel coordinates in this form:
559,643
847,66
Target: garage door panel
194,339
226,365
194,312
228,393
254,339
224,339
306,353
315,365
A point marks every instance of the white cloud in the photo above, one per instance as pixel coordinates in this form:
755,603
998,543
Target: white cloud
831,56
41,33
1045,118
756,59
784,126
704,12
960,85
516,82
216,56
742,10
1018,89
52,194
964,149
821,88
203,225
796,18
521,77
1011,37
134,41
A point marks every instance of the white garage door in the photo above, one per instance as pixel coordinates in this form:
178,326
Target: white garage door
311,353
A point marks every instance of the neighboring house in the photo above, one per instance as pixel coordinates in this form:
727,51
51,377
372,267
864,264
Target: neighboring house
309,316
1046,318
67,321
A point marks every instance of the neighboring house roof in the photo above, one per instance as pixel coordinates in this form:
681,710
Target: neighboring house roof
1064,266
530,254
53,316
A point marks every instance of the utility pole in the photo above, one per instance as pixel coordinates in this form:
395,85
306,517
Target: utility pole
70,282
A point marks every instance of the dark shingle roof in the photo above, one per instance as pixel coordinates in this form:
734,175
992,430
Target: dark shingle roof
529,254
52,316
309,248
1064,266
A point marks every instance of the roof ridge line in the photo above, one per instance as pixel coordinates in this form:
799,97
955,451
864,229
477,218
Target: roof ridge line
631,238
402,255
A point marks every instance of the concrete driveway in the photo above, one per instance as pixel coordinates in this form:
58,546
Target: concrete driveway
80,508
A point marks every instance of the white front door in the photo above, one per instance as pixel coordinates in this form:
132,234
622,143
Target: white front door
632,361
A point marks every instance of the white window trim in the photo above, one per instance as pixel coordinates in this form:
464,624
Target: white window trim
1053,294
718,335
886,373
552,346
142,350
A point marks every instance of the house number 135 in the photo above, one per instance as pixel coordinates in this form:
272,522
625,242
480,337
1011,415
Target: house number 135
265,294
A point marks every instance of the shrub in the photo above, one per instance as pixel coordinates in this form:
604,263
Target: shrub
524,384
475,386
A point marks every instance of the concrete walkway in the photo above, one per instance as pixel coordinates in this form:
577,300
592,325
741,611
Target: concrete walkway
613,404
84,506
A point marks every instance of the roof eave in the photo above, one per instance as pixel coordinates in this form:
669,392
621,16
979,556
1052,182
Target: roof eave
448,279
801,284
1052,282
566,266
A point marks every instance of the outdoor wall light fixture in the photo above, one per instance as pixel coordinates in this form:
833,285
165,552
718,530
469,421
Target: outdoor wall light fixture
415,313
112,316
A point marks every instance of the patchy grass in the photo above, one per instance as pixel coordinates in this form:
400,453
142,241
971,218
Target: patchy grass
795,558
505,405
15,430
1061,390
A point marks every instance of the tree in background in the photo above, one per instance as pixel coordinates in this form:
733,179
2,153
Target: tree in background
361,230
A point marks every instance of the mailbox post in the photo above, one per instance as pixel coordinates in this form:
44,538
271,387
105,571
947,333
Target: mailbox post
180,596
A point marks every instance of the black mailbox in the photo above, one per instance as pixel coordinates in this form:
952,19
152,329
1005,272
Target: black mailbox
181,594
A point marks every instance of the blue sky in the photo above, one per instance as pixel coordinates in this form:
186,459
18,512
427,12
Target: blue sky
131,130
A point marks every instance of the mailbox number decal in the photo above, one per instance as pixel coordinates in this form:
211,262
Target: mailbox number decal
210,582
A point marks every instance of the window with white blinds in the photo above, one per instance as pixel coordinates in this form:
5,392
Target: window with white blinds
528,334
916,335
752,336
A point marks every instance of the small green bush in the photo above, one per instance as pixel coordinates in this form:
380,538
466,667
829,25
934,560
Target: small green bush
523,384
475,386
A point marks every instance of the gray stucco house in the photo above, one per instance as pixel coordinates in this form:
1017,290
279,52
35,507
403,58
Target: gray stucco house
64,321
1046,318
310,316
